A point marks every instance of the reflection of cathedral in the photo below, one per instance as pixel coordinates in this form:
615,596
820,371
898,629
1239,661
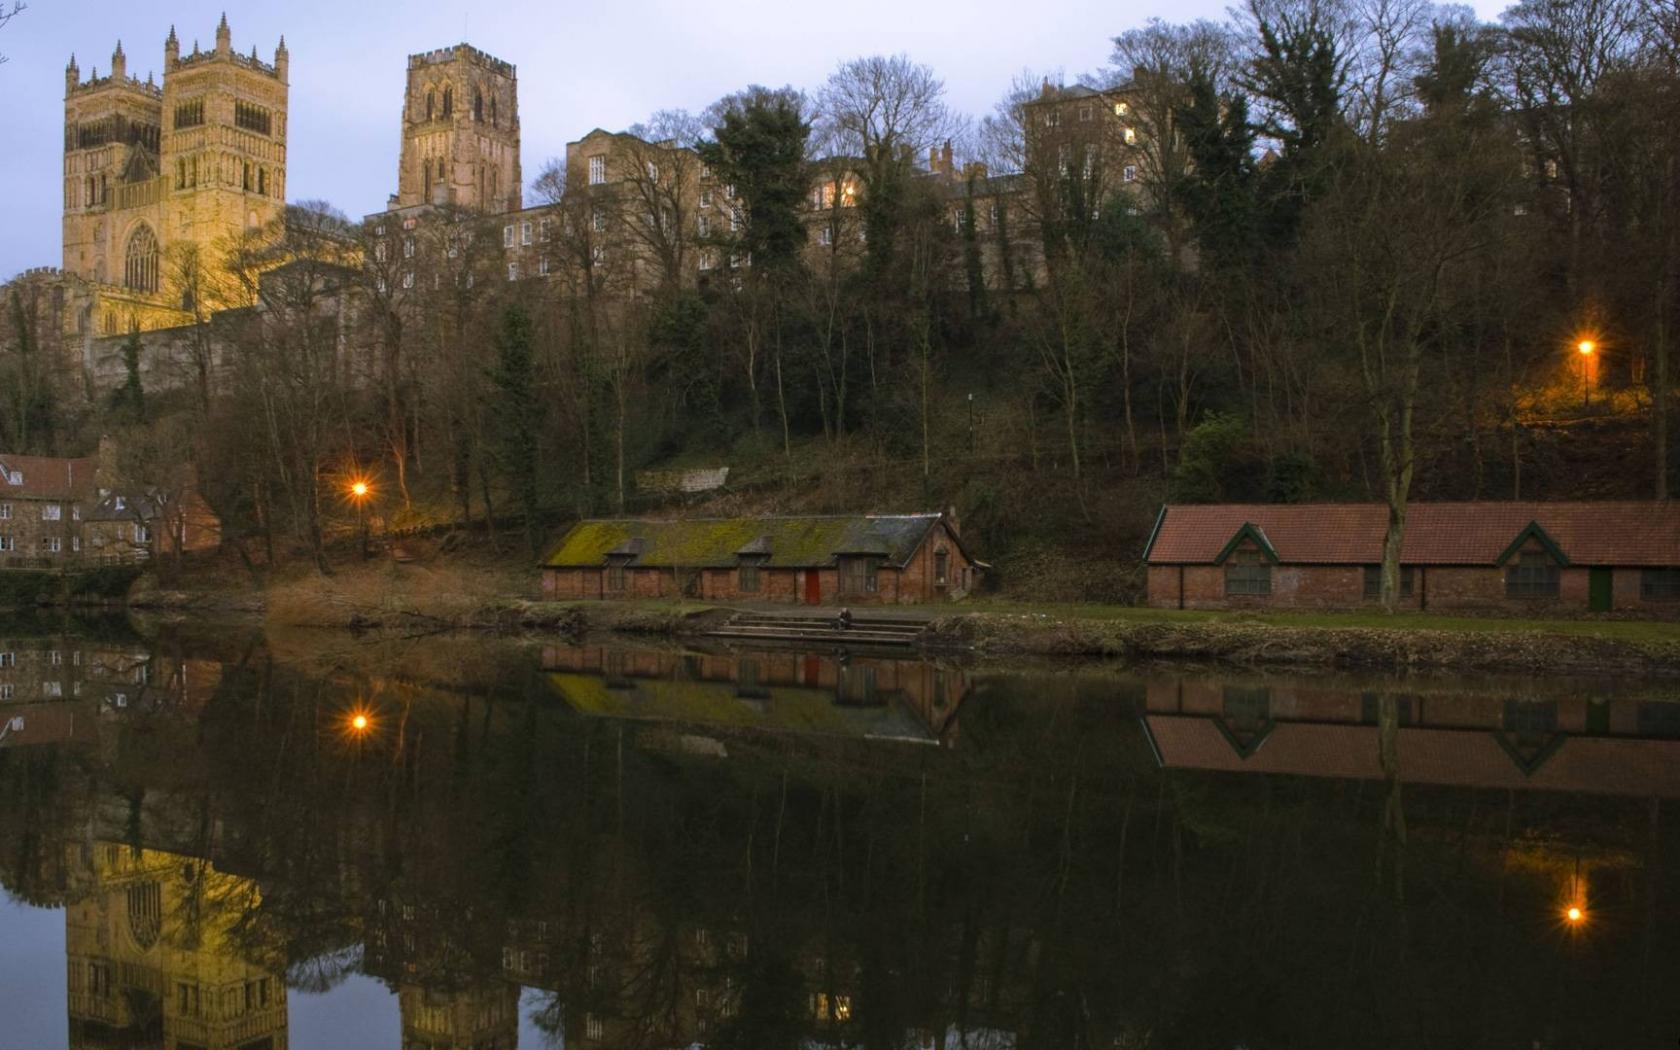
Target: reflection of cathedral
480,1018
153,957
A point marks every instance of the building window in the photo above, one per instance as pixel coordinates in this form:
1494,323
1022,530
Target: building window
598,220
941,567
592,1027
703,226
140,263
408,248
8,543
734,220
513,271
705,198
1655,585
408,280
1129,173
597,170
1131,136
52,512
1533,575
858,575
5,512
1248,572
542,266
52,544
825,235
507,236
8,659
525,233
1373,582
707,260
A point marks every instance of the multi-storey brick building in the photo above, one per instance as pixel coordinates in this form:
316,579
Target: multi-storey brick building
59,512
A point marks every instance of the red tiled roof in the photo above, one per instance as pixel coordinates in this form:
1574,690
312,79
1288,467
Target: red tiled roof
47,477
1600,533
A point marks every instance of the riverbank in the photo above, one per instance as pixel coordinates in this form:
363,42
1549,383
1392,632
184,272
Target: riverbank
386,596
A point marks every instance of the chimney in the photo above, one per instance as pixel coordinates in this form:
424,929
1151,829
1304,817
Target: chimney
224,37
946,166
119,63
171,51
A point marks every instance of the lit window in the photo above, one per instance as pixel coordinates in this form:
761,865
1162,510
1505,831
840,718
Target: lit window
1129,173
1119,109
1131,136
597,170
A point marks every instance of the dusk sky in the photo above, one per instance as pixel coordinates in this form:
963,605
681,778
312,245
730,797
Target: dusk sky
580,66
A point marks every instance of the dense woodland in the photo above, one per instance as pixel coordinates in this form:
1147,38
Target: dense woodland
1371,235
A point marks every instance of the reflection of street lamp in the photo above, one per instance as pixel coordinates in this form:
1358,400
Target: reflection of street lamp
359,492
1586,347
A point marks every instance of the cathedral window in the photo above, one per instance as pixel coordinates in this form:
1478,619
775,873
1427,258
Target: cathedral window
189,114
181,174
440,168
429,101
87,193
262,181
140,266
245,177
448,101
252,118
493,113
478,106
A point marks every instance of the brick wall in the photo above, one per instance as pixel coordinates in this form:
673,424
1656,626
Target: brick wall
28,533
1437,588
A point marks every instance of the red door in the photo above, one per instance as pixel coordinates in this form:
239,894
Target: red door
813,587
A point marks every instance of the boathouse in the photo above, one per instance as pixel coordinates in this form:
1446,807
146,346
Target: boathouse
1530,557
852,559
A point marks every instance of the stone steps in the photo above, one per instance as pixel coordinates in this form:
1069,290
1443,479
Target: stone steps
864,630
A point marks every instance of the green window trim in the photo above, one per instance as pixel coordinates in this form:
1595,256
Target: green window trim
1249,531
1533,531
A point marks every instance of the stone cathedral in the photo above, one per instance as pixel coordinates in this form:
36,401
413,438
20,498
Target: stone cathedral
150,170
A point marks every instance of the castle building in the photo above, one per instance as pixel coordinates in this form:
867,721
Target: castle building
159,179
460,132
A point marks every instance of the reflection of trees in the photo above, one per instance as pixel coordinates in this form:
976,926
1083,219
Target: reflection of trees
1043,878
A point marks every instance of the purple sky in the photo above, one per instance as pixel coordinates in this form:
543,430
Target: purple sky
580,66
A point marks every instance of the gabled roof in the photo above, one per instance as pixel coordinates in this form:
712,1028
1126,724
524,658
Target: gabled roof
791,542
1627,533
46,477
125,506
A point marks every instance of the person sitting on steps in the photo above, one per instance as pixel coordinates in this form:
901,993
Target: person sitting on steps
843,622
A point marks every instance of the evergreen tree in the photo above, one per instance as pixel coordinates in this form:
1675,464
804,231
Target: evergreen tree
517,414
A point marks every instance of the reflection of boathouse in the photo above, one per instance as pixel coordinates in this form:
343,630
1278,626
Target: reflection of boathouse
828,694
153,957
1573,742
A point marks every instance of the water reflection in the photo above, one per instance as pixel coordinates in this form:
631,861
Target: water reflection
656,847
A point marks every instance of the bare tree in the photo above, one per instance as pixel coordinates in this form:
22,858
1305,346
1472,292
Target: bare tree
6,15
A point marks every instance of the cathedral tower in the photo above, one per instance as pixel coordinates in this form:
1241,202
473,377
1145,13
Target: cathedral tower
460,142
150,170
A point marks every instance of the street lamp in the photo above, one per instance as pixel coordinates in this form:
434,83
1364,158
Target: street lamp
360,490
1586,348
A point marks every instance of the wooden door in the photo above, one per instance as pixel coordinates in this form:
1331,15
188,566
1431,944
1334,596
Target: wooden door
1599,590
813,587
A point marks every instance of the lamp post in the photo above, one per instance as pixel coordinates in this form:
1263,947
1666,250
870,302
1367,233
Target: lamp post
1586,348
359,492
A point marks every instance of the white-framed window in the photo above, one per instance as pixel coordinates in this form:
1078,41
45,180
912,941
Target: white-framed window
1131,136
992,214
652,171
507,236
593,1028
706,198
959,218
542,266
15,477
142,534
408,247
5,512
6,694
408,279
598,253
542,230
379,252
525,233
52,690
8,543
52,544
734,220
56,658
1129,173
597,170
825,235
707,260
598,220
75,543
379,285
52,512
513,271
703,226
8,659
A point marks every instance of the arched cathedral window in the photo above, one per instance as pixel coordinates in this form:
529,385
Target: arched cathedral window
429,100
478,106
448,100
140,262
493,112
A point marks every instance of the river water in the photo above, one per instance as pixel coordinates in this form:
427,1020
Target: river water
240,841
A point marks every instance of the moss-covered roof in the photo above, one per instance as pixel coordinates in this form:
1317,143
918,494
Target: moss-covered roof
794,542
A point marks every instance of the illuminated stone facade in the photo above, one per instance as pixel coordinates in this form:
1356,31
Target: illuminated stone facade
159,179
